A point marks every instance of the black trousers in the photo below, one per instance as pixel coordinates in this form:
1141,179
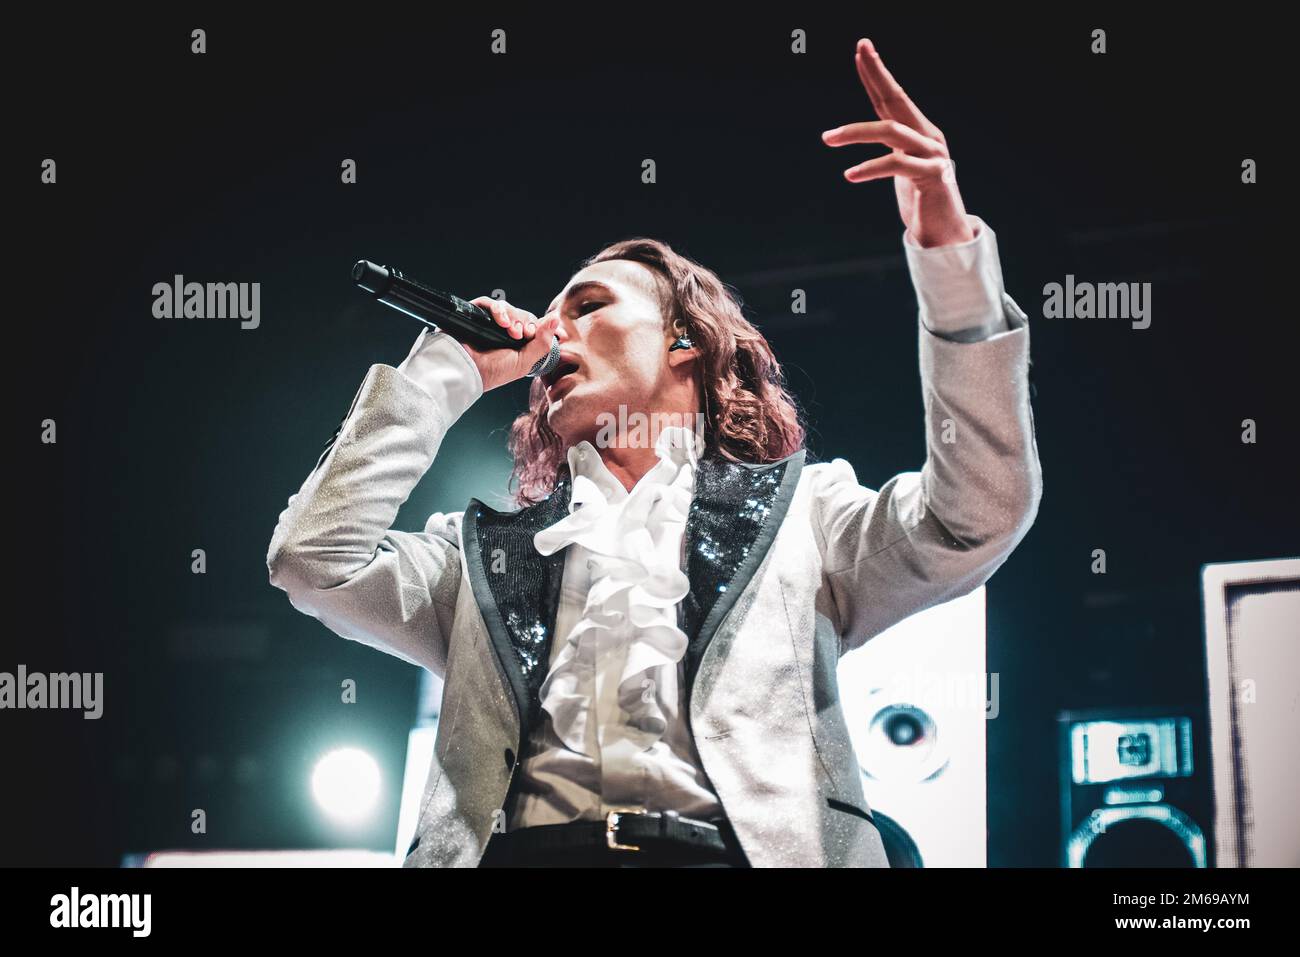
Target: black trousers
501,852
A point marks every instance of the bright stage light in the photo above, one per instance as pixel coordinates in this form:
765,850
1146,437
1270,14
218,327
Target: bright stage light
346,784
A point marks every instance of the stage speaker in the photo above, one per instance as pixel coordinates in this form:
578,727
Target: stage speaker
1128,795
1252,654
916,697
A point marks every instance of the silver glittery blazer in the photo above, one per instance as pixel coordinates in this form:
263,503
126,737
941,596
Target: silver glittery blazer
791,565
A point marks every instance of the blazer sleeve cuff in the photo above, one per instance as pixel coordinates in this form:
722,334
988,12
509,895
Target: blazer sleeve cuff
959,286
440,366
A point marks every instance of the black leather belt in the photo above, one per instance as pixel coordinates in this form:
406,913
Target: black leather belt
622,830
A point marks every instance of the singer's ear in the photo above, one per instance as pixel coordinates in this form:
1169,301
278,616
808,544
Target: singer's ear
681,353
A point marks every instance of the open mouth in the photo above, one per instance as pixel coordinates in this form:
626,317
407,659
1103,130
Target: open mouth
565,367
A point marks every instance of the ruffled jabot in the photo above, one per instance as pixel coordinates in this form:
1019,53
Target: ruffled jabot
628,629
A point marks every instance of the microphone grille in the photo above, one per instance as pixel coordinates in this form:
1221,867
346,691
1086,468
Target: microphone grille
547,362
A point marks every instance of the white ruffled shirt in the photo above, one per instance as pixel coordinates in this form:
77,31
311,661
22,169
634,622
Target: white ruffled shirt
613,732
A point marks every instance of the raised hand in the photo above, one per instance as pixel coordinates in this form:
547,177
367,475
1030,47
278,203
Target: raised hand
928,199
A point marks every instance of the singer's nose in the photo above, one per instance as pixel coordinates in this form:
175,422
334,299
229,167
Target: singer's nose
560,332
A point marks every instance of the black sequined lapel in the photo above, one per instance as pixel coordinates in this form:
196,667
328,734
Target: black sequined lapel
735,514
518,590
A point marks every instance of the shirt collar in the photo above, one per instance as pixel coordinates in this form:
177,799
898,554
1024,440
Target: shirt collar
676,444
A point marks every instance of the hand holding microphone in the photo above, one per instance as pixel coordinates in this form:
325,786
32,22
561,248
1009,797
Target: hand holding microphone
497,366
505,342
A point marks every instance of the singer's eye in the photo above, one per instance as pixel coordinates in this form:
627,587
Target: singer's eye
582,310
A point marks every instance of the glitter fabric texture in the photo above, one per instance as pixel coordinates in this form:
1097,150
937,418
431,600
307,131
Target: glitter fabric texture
732,504
525,587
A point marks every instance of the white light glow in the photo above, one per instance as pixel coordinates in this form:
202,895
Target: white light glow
346,784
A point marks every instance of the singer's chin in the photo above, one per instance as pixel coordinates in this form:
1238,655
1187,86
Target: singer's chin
559,414
570,419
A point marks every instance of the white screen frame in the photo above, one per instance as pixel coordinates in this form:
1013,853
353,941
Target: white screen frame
1233,843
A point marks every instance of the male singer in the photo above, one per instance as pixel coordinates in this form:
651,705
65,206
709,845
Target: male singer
640,662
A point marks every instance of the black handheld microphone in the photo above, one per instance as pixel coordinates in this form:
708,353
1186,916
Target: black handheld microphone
463,321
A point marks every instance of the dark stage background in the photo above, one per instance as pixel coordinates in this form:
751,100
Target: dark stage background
480,172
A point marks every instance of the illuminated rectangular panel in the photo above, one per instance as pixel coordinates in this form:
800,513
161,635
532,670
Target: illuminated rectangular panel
1252,653
325,858
1104,751
934,789
419,755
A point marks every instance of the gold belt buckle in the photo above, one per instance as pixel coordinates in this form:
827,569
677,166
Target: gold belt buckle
611,825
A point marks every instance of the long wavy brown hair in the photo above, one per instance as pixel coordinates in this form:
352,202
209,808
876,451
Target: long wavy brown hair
749,414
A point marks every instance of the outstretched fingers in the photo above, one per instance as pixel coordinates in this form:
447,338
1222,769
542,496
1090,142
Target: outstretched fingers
890,132
887,95
914,168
